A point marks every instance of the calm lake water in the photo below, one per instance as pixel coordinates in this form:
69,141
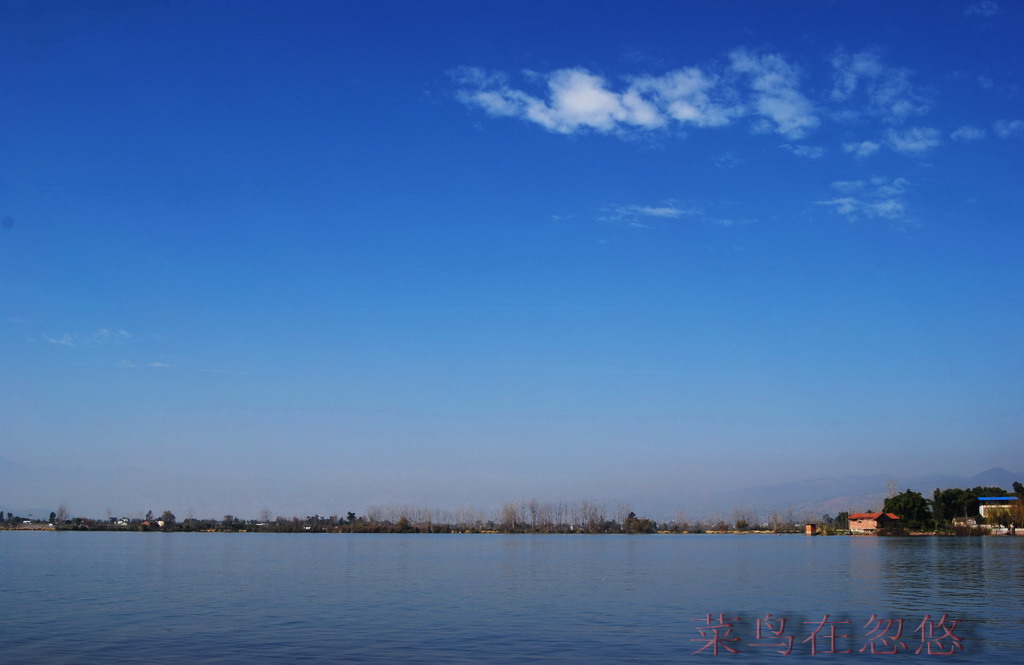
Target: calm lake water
304,598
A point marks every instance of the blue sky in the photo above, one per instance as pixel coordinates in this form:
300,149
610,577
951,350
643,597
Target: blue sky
315,259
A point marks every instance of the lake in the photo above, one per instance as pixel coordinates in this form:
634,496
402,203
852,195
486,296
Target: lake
68,597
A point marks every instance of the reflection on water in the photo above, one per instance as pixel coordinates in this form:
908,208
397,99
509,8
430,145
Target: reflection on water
279,598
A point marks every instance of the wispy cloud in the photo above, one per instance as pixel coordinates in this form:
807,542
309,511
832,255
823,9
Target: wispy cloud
1005,129
888,92
64,340
639,215
873,198
914,140
985,9
968,133
105,335
101,336
690,97
759,87
806,151
163,363
726,160
861,148
575,99
777,97
647,216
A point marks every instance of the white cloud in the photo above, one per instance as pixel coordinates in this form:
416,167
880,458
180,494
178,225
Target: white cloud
985,8
99,337
883,187
848,186
1007,128
159,365
646,216
579,98
874,198
106,335
862,148
660,211
888,91
477,77
576,99
849,70
689,96
967,133
913,140
635,214
726,160
807,151
777,98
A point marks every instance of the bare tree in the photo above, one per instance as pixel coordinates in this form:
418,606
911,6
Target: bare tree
592,516
509,518
790,520
680,522
534,509
719,523
545,520
622,513
744,518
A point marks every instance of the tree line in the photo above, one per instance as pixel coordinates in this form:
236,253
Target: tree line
513,517
955,510
529,516
941,513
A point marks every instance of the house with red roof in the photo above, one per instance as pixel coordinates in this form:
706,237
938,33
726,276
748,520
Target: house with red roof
871,522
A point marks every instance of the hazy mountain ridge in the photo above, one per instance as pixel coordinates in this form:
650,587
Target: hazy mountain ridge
814,497
810,498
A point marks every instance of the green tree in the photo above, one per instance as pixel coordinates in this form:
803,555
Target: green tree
634,524
952,503
912,509
989,491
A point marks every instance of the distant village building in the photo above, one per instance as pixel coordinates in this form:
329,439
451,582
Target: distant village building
870,522
990,503
811,529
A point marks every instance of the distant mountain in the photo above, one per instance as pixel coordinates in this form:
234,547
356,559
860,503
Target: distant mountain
811,498
996,477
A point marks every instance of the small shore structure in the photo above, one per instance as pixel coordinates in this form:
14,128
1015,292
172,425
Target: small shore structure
871,522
